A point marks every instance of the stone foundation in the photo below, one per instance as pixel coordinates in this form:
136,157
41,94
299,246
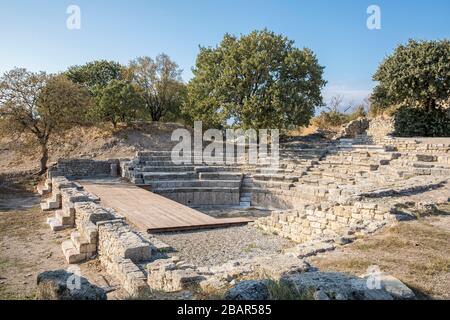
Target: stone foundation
82,168
316,221
98,231
323,199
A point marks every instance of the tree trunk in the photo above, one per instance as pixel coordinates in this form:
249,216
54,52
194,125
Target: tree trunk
44,158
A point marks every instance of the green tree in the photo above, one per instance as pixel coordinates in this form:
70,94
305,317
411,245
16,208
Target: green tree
160,85
40,105
416,74
96,74
259,80
118,102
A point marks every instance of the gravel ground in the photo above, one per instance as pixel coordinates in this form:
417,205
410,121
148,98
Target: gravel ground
217,246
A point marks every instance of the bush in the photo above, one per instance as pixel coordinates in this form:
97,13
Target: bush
327,120
417,74
117,102
415,122
335,119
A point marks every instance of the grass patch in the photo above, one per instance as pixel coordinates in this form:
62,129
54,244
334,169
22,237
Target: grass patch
279,290
416,252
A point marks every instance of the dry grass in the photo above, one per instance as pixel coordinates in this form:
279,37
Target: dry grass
416,252
27,245
281,291
96,142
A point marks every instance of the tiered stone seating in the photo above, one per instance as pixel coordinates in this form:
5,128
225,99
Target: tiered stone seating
224,184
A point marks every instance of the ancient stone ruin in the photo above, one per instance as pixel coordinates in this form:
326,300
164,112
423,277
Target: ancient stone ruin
324,194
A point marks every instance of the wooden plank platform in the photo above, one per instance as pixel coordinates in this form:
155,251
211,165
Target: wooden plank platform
151,212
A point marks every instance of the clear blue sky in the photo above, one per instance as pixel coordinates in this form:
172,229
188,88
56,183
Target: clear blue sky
34,35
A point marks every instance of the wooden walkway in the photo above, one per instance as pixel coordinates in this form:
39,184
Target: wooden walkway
151,212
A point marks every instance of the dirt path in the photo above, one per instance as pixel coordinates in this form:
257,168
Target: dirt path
29,247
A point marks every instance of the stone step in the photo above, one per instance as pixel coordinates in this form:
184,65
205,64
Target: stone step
196,189
44,190
158,176
273,185
419,164
167,184
425,158
236,176
244,204
45,206
164,164
82,244
245,199
71,253
154,169
64,218
368,166
56,225
201,169
273,170
274,177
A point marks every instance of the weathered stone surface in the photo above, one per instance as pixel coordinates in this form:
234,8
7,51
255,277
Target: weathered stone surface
336,286
80,168
395,287
63,285
166,276
249,290
311,248
353,128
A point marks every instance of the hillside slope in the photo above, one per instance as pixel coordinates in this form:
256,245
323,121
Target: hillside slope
17,155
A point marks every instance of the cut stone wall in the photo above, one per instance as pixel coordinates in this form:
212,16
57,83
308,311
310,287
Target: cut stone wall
98,232
297,196
314,221
120,249
82,168
193,197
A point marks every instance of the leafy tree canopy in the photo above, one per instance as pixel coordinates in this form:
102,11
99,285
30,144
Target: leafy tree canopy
416,74
159,82
41,105
96,73
259,80
118,102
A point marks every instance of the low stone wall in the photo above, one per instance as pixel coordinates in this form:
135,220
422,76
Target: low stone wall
82,168
417,146
289,199
193,197
309,222
99,232
120,249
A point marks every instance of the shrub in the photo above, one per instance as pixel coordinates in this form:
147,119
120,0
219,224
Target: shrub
414,122
117,102
335,119
417,74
